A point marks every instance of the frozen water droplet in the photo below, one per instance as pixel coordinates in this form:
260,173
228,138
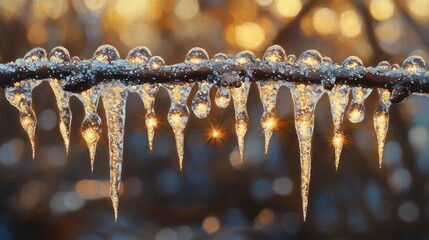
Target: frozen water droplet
114,97
268,93
218,57
36,55
196,56
60,55
156,63
414,64
91,129
383,65
274,54
327,61
305,98
178,113
244,57
201,102
356,111
139,55
352,63
239,98
338,98
291,58
381,121
91,125
106,54
395,66
222,97
19,95
310,58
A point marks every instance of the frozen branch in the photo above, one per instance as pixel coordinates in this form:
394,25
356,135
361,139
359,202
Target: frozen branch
81,75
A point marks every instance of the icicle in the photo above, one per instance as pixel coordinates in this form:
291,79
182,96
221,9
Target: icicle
338,98
114,95
178,113
201,104
60,55
381,121
305,98
239,98
356,111
91,125
381,114
268,93
19,95
147,91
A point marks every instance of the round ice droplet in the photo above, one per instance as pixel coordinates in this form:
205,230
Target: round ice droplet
327,61
139,55
218,57
59,54
156,63
196,56
395,66
91,128
222,97
274,54
201,102
356,113
35,55
414,64
310,58
106,54
75,59
244,57
352,62
291,58
383,65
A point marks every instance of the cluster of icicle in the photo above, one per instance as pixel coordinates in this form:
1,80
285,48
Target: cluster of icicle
114,94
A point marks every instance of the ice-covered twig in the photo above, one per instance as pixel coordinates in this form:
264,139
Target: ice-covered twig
308,77
81,75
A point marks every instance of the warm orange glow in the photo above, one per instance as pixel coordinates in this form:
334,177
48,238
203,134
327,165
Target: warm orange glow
288,8
420,8
215,134
325,21
152,123
250,35
382,9
211,224
271,124
338,140
350,23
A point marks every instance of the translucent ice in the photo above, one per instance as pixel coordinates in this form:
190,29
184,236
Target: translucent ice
60,55
19,95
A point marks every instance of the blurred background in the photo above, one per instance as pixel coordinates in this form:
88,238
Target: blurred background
57,197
